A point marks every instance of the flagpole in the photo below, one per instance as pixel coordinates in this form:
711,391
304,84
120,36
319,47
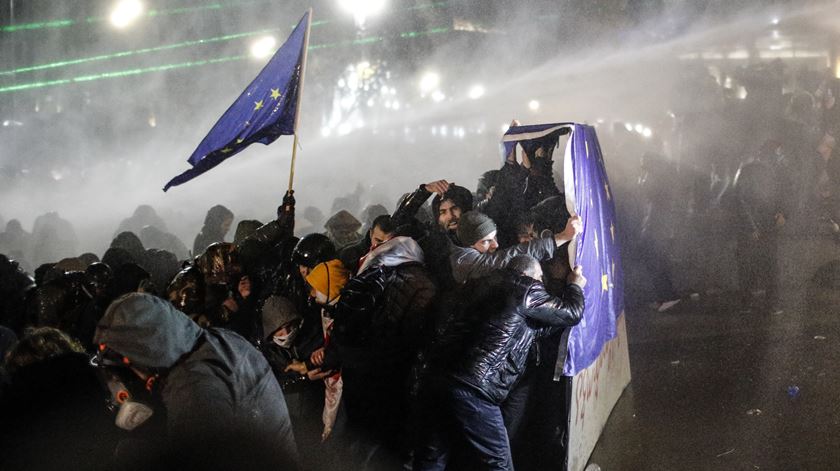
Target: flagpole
299,97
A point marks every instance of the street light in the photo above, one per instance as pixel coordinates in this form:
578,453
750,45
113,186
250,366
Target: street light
361,9
125,12
534,105
429,82
476,92
263,47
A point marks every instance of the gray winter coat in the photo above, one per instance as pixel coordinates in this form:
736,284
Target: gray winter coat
214,382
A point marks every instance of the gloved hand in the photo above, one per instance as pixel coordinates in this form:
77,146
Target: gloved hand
286,211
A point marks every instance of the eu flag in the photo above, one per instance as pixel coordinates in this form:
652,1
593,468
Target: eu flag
265,111
587,192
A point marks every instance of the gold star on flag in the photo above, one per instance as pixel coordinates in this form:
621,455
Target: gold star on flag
227,150
239,141
275,93
258,105
605,283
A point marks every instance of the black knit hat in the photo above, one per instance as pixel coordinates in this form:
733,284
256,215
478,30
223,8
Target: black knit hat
474,226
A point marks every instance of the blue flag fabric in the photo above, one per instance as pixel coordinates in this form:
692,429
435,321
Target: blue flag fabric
265,111
533,136
588,194
597,249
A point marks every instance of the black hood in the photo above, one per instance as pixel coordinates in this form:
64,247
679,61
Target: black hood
147,330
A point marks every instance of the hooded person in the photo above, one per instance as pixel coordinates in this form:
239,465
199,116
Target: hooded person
53,238
154,238
343,229
129,242
288,338
143,216
244,229
222,403
216,226
14,239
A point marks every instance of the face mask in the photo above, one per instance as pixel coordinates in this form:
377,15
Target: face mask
133,414
285,341
130,413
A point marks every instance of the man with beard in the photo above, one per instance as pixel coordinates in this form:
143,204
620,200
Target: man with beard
436,240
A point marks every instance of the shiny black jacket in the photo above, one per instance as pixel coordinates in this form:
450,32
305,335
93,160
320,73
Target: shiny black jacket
494,320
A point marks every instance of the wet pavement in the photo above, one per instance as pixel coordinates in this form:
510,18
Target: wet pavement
719,387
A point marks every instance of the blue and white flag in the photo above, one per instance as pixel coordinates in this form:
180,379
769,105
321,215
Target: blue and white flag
265,111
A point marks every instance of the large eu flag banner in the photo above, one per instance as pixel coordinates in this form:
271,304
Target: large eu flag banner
597,250
265,111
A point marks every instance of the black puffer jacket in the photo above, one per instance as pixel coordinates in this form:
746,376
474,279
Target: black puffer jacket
495,319
381,317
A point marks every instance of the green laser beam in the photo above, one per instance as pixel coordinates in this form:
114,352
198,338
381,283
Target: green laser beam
414,34
63,23
133,52
149,14
228,37
120,73
181,65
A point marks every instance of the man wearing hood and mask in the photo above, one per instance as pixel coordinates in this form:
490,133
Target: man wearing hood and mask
222,404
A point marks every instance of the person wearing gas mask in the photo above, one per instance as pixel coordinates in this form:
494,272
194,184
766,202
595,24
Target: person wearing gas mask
223,406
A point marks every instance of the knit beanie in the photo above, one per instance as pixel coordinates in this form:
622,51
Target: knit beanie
328,278
473,227
277,312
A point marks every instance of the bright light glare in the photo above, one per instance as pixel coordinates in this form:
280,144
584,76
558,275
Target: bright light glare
438,96
639,128
362,9
775,20
263,47
628,126
647,132
534,105
476,92
429,82
125,12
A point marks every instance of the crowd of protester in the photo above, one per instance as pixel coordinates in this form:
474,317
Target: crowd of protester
743,164
424,339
